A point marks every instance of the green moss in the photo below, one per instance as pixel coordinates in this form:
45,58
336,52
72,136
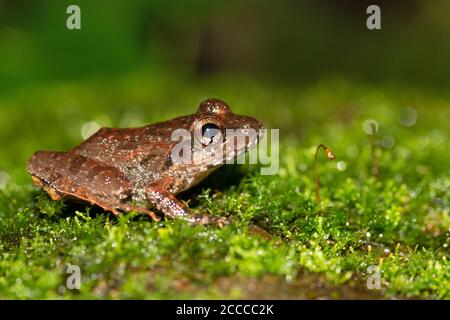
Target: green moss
400,223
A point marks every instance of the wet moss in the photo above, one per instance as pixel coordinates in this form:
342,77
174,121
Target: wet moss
281,244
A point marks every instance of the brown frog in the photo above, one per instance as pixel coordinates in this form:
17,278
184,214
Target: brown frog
133,169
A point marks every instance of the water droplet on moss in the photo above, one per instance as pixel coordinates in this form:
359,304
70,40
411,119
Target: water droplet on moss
388,142
408,116
341,165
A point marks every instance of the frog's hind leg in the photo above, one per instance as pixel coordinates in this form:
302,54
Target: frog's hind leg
76,177
116,208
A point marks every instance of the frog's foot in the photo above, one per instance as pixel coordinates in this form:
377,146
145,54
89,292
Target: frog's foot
167,203
206,219
51,191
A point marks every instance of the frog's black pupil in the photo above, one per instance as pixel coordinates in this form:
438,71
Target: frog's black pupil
209,131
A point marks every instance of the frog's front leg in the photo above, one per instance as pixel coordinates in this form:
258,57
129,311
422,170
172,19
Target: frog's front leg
157,194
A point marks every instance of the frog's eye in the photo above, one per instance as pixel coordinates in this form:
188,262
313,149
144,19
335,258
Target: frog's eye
209,132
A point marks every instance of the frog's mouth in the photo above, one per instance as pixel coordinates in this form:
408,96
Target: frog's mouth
246,140
234,143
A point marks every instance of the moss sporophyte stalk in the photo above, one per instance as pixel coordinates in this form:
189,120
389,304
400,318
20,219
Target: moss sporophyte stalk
330,155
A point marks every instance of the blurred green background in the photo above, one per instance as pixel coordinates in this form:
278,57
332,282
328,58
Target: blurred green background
311,69
286,41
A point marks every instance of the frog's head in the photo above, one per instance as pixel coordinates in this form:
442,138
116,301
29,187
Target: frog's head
216,128
215,136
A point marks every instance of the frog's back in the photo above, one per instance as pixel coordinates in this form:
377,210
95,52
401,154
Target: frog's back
113,145
134,151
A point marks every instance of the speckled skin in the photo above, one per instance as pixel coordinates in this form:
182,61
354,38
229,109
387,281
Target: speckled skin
130,169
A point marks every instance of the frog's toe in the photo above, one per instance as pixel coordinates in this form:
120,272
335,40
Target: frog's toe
146,211
222,222
205,219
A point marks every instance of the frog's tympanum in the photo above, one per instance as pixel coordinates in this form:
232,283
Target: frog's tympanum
134,169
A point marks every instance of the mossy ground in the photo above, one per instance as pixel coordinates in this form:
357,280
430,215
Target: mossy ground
281,244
